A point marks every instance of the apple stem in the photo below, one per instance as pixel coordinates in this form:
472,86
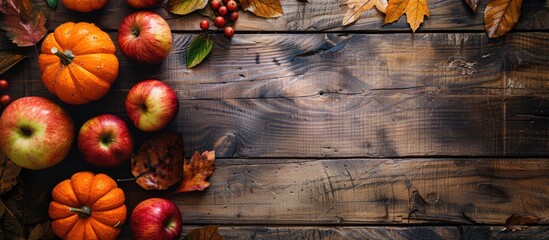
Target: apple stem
83,212
66,57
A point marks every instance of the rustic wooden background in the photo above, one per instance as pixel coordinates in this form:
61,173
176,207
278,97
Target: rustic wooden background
330,132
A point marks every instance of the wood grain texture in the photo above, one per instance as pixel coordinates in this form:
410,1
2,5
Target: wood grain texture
342,192
315,15
368,132
365,191
350,95
378,233
372,233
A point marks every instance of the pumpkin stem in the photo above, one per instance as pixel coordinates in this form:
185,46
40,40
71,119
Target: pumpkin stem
83,212
66,57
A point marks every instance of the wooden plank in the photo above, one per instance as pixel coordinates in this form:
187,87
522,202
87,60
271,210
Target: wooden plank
371,232
378,233
316,15
364,191
359,95
340,192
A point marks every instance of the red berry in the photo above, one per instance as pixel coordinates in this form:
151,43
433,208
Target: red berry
219,21
215,4
3,84
222,11
225,1
204,25
5,99
233,16
229,32
232,5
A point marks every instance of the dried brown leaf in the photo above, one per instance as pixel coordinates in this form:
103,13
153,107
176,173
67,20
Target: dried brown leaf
23,25
195,173
39,231
8,60
159,162
13,221
8,174
415,11
500,16
263,8
519,222
357,7
209,232
473,4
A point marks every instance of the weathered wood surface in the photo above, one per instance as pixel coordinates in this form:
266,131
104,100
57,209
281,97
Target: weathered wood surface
345,192
318,15
357,95
380,233
346,135
368,191
375,233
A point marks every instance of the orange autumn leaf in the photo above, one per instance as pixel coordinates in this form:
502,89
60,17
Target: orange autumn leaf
357,7
415,11
195,173
500,16
263,8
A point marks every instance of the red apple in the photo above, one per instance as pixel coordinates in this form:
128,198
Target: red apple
144,4
155,218
145,37
105,141
151,105
35,133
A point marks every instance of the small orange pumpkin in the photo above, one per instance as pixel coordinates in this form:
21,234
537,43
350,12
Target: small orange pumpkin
87,206
84,5
78,62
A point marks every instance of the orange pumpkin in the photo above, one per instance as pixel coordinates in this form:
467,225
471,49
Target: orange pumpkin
87,206
78,62
84,5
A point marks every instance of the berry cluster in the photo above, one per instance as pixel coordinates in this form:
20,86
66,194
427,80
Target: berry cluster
5,99
225,11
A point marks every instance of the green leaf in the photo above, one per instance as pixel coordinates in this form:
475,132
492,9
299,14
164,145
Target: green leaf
52,3
183,7
8,60
199,49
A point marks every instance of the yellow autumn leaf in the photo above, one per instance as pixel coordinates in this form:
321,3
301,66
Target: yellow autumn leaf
182,7
415,11
357,7
263,8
